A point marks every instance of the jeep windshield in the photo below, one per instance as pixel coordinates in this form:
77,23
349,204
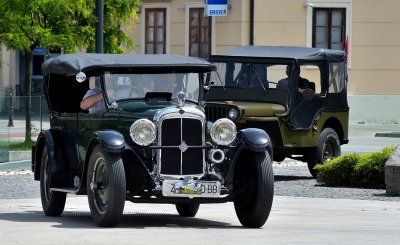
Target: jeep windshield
121,87
250,75
247,81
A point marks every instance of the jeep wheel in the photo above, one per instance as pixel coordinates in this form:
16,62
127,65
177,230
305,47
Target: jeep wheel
53,202
328,148
106,187
253,205
187,209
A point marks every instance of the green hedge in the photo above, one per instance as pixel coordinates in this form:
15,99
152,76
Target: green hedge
353,170
17,146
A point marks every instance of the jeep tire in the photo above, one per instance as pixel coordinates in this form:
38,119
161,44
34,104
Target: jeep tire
328,148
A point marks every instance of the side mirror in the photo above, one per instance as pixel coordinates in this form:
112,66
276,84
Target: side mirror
209,85
80,77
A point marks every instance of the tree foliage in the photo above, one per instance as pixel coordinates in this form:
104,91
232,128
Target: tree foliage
62,25
66,24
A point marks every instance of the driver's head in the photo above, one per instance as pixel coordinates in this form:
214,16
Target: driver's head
296,70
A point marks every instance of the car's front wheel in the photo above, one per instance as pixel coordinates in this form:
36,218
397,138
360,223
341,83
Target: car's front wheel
328,147
253,205
53,202
106,187
187,209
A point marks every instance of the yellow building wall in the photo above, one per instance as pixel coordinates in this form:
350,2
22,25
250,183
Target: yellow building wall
375,47
374,35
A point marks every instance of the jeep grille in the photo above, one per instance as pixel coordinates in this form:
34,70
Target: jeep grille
215,112
182,131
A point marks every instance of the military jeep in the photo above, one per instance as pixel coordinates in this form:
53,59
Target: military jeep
152,143
297,95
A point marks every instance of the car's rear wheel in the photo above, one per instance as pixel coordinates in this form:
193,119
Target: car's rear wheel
106,187
53,202
328,148
187,209
253,205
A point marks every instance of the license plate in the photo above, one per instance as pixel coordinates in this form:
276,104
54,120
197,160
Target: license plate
191,188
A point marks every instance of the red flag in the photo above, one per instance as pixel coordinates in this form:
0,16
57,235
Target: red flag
346,48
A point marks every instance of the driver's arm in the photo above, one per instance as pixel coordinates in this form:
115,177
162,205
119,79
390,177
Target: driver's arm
89,101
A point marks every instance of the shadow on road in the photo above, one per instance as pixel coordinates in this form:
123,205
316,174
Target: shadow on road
83,220
291,178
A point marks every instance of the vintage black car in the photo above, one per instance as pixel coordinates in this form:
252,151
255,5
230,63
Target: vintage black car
152,143
297,95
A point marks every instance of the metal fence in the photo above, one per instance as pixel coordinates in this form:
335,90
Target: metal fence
13,120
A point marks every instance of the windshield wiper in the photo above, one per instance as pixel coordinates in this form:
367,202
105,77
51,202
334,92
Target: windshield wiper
220,81
259,79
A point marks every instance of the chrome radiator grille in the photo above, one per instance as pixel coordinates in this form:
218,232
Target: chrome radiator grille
181,132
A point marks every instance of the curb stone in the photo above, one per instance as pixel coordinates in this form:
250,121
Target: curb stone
19,155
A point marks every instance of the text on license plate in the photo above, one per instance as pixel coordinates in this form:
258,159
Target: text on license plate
191,188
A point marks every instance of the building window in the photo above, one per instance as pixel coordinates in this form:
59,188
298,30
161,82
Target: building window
155,31
199,33
329,28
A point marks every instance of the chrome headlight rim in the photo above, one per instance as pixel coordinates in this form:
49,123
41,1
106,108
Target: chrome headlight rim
233,113
144,123
214,131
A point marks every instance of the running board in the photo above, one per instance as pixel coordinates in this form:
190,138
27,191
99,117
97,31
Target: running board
67,190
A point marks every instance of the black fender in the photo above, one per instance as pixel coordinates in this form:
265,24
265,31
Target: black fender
44,139
253,140
256,140
110,141
56,158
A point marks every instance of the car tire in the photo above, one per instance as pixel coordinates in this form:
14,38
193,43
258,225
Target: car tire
328,147
187,209
254,204
106,187
53,202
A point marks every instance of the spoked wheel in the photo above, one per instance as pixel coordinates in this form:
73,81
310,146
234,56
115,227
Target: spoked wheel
327,149
187,209
106,187
53,202
254,204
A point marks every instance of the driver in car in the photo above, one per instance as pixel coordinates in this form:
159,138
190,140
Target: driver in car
283,84
93,99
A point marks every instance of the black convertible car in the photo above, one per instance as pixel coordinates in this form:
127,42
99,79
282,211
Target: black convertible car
152,143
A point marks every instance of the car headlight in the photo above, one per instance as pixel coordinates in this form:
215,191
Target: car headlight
143,132
223,131
232,113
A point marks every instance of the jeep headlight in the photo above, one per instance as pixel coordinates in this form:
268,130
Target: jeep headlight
232,113
143,132
223,131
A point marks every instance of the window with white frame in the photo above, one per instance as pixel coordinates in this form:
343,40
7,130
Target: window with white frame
199,33
155,31
329,23
329,28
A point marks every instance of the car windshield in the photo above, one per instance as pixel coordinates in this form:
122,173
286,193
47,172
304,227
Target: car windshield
135,86
251,75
